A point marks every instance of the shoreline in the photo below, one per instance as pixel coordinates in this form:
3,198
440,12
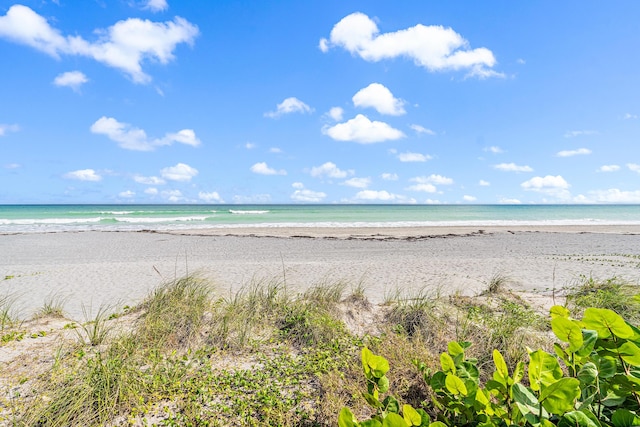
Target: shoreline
95,268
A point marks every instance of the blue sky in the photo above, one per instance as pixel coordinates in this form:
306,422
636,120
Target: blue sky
161,101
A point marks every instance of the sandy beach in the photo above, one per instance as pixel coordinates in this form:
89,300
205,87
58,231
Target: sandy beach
94,269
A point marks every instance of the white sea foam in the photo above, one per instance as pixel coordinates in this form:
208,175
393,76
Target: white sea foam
237,212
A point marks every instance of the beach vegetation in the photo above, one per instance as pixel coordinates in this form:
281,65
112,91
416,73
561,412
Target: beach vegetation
614,294
53,306
268,356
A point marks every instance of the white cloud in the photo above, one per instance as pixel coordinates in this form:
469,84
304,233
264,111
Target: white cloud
608,168
512,167
570,153
382,195
72,79
8,128
432,179
629,116
125,45
633,167
179,172
494,149
173,196
336,113
553,185
263,169
380,98
484,183
330,170
612,195
128,194
521,61
424,187
358,182
422,130
148,180
255,198
289,106
83,175
467,198
574,133
275,150
156,5
212,197
508,201
433,47
250,145
387,176
132,138
302,194
151,191
362,130
413,157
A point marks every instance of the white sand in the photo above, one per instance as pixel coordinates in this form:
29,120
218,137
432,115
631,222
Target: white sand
100,268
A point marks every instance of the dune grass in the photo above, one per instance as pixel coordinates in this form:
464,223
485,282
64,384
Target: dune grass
265,356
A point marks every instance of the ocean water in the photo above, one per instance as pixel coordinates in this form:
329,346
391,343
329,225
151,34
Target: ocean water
61,218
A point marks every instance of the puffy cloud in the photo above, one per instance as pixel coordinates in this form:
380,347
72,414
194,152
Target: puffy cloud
330,170
423,187
128,194
8,128
362,130
263,169
413,157
179,172
433,179
288,106
570,153
608,168
379,97
512,167
83,175
467,198
433,47
336,113
148,180
633,167
72,79
612,195
302,194
250,145
574,133
358,182
387,176
553,185
381,195
508,201
173,196
422,130
494,149
151,191
132,138
156,5
212,197
125,45
483,183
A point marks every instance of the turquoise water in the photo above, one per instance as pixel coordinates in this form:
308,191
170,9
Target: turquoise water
58,218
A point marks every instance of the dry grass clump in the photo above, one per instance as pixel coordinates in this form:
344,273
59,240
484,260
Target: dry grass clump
614,294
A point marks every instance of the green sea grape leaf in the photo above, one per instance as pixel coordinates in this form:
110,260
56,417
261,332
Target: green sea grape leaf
559,311
411,416
559,397
625,418
371,423
630,353
390,404
438,424
589,339
606,322
501,365
455,349
448,366
383,384
366,355
437,381
455,385
567,331
518,372
394,420
525,399
576,419
588,373
544,369
346,418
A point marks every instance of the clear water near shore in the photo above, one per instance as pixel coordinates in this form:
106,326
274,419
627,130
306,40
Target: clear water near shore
60,218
